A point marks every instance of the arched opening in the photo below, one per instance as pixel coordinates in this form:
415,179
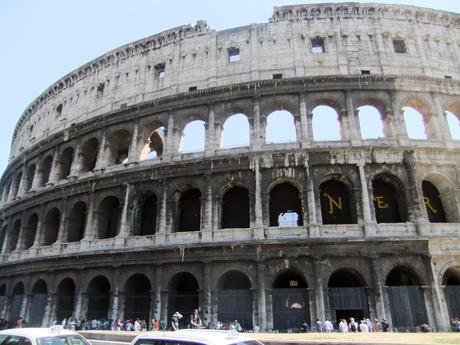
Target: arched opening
88,153
326,124
433,203
137,298
119,147
17,184
389,202
235,208
30,176
65,163
98,298
183,296
347,295
285,206
14,236
2,296
280,127
30,231
148,216
454,125
235,299
336,203
108,217
16,301
407,303
451,283
415,123
65,299
51,226
236,132
193,137
370,122
39,300
46,170
190,211
77,222
290,301
154,146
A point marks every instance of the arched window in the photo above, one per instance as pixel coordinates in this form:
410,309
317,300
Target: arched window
51,226
98,298
30,231
30,176
389,201
193,137
280,127
335,203
77,222
89,153
285,206
14,236
190,211
415,123
454,125
119,147
433,203
108,217
235,208
325,123
370,122
137,297
154,146
148,216
46,170
236,131
65,162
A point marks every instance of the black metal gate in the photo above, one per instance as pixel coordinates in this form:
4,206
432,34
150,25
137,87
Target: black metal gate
452,293
137,307
235,304
349,302
290,308
64,307
407,306
37,309
98,306
184,303
16,305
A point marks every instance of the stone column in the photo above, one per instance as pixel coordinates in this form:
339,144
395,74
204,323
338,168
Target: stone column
210,144
134,154
258,223
124,226
262,303
101,161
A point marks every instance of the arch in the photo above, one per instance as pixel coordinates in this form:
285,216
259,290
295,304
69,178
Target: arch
108,217
347,295
280,127
416,123
235,298
98,298
453,122
65,162
371,122
119,146
51,226
30,231
14,236
236,131
451,282
65,299
326,123
17,299
285,206
137,297
235,208
389,200
46,170
193,137
30,176
76,222
433,203
39,300
407,302
148,215
89,152
182,295
336,201
290,301
190,210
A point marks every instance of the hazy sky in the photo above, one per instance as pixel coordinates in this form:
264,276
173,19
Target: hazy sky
42,41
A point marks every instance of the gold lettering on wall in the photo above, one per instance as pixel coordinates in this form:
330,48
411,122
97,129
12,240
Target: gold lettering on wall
333,203
380,202
427,202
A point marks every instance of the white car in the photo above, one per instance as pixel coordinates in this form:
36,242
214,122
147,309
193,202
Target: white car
194,337
55,335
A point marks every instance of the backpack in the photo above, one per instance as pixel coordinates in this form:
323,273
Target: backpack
353,327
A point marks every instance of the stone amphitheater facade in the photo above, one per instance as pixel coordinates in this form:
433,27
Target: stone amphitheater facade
95,226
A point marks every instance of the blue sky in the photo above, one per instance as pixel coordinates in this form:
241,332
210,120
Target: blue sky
42,41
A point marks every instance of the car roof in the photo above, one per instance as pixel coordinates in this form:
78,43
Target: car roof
35,332
199,335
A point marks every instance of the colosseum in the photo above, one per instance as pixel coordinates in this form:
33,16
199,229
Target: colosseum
105,214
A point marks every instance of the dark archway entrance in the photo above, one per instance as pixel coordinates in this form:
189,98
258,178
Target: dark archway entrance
65,299
183,297
347,295
451,282
407,303
137,298
39,300
16,302
235,299
235,208
98,298
290,302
